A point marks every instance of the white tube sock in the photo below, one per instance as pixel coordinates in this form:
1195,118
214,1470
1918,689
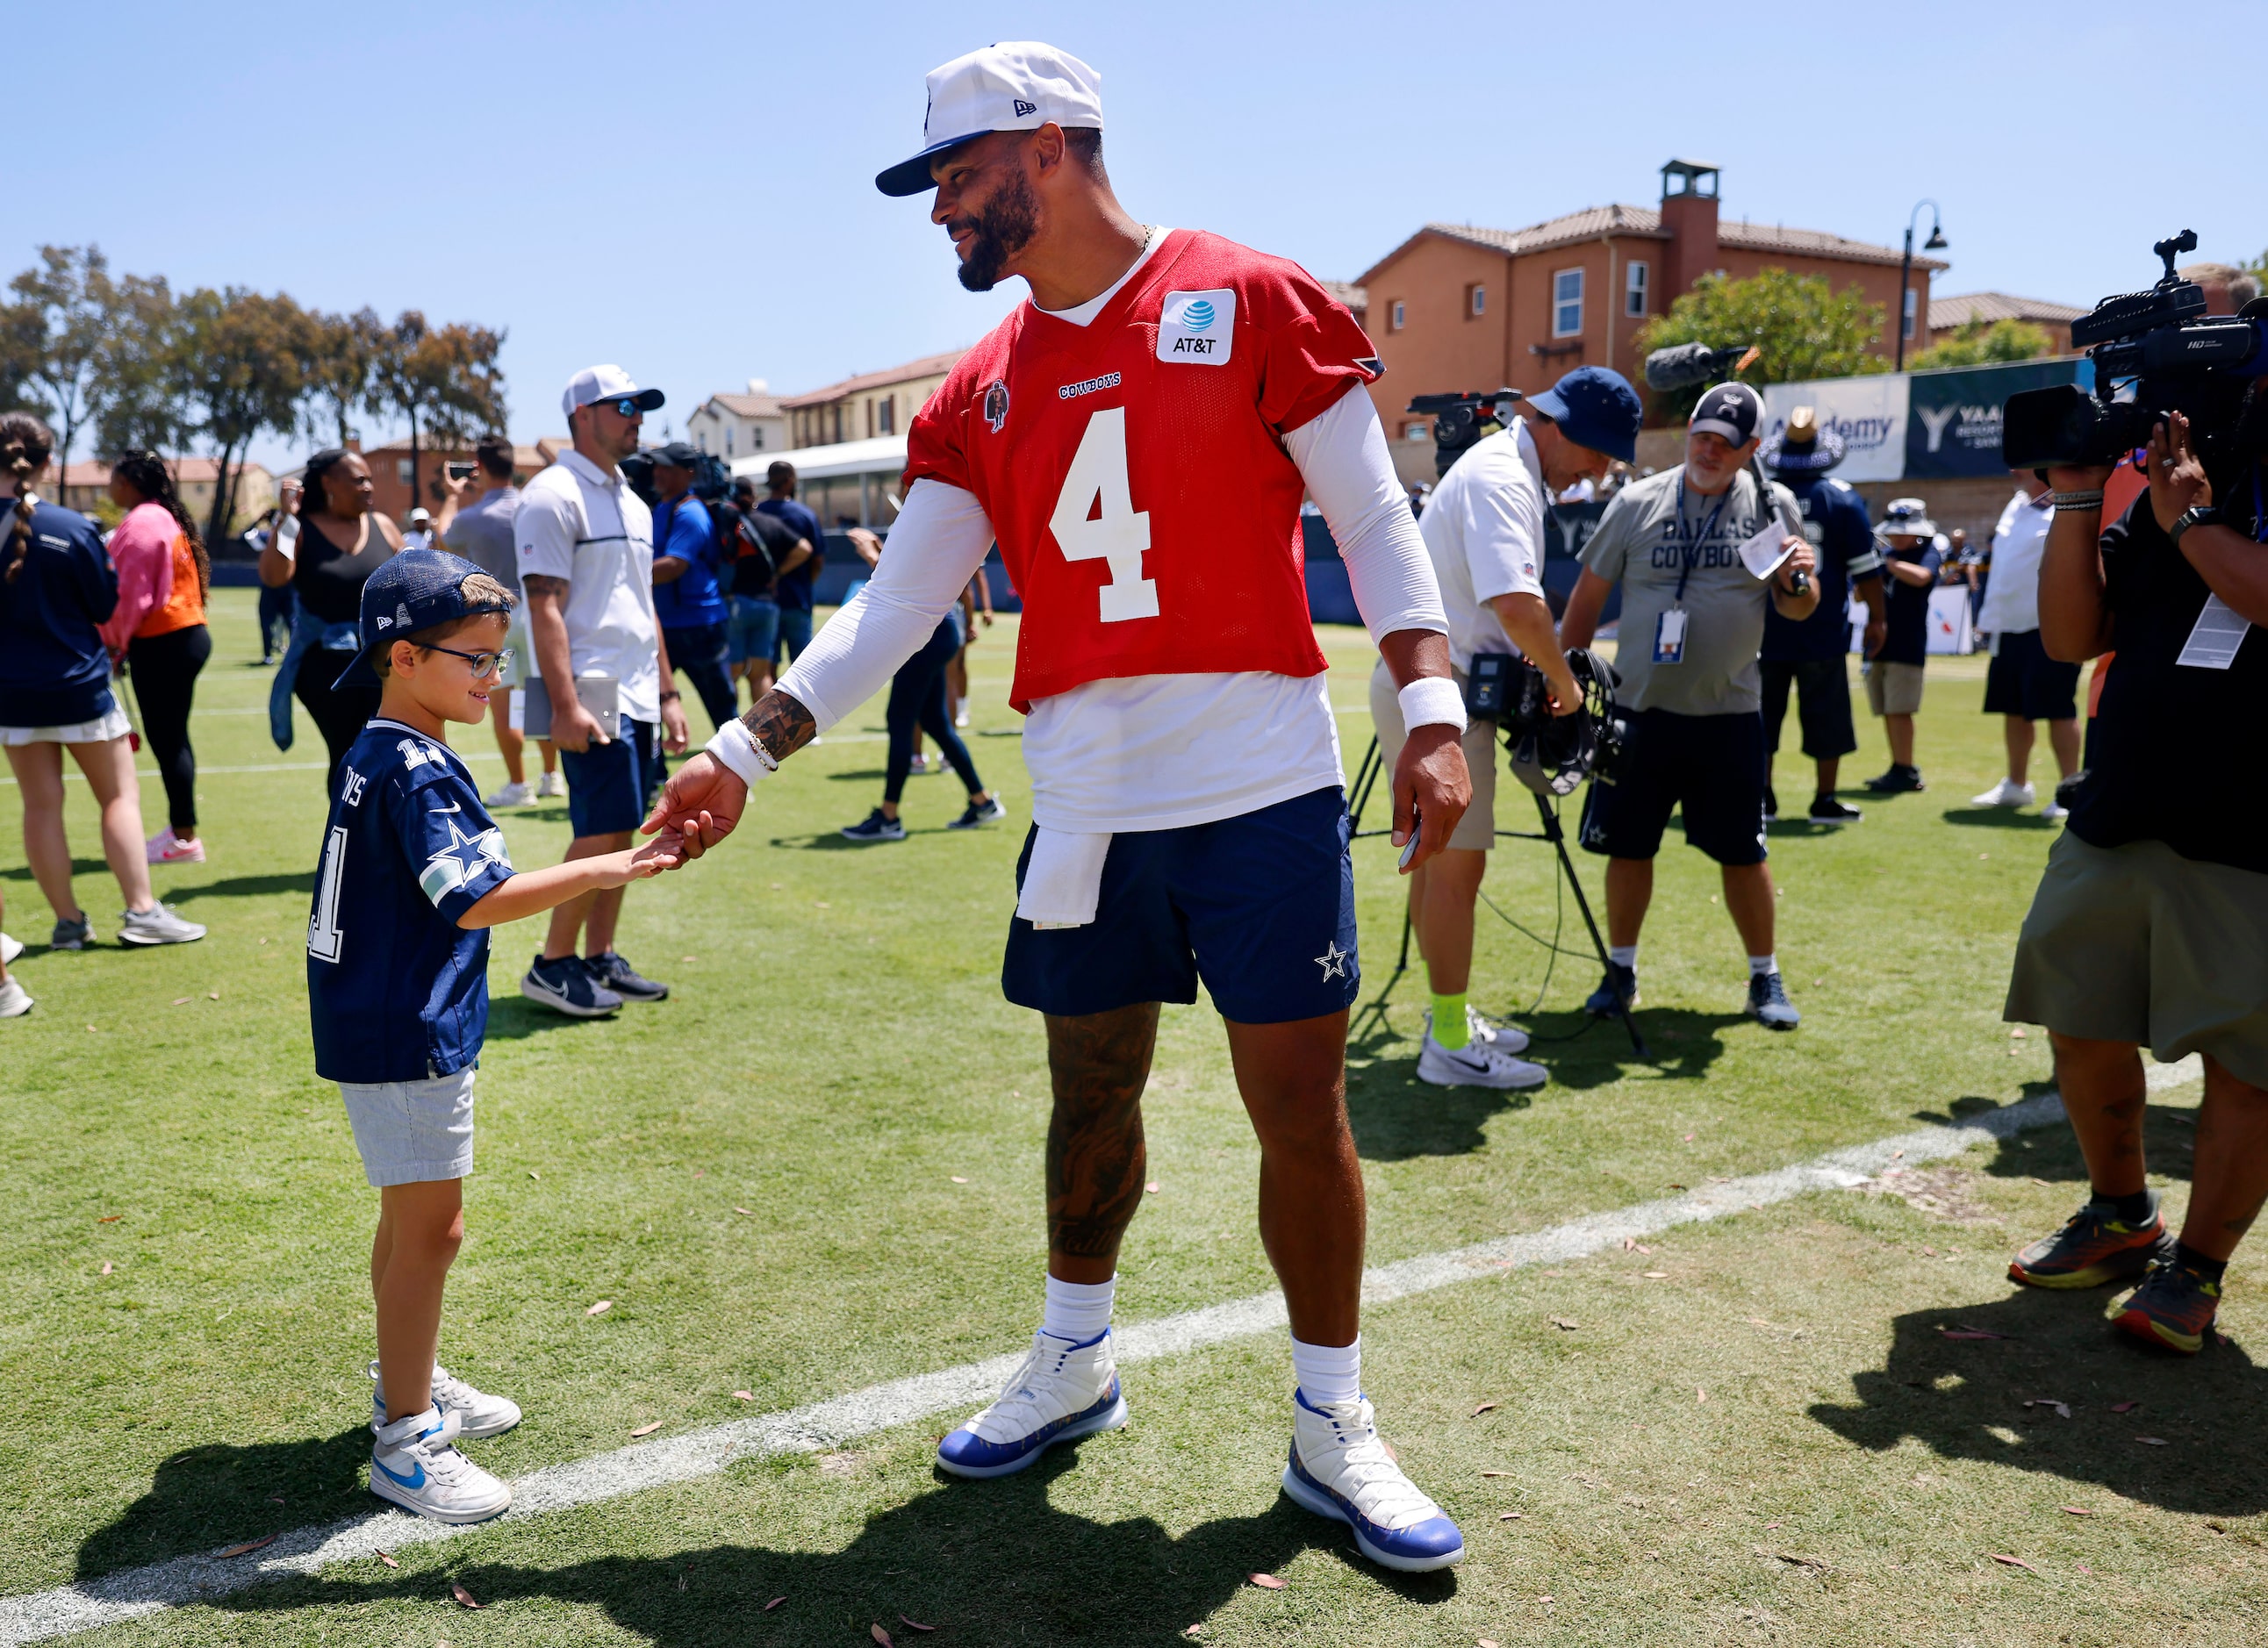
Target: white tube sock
1623,955
1763,964
1077,1311
1329,1374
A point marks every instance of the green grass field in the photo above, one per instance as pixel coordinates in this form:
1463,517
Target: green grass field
817,1167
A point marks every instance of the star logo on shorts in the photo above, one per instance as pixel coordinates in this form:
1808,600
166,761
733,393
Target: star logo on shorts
1333,961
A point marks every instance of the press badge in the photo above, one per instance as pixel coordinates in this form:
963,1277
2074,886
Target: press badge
1670,636
2213,641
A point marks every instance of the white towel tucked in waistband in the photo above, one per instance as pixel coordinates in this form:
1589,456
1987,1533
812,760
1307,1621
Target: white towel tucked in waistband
1063,883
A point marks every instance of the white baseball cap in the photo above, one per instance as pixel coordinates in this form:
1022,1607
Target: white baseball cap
594,383
1016,86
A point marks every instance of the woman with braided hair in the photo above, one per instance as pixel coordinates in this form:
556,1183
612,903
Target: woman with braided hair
159,631
56,589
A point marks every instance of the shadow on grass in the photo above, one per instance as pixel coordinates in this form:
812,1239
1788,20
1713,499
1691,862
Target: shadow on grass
245,887
79,867
1964,1399
2051,1154
986,1562
204,1496
514,1018
1998,818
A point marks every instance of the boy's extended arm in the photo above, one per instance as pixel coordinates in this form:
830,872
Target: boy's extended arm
533,892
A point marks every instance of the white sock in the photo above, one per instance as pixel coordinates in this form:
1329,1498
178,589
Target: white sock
1329,1374
1762,964
1623,955
1077,1311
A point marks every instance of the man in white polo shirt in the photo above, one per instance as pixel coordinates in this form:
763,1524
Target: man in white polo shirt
586,545
2023,684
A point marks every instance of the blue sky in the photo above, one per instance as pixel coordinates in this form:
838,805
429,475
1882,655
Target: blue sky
687,190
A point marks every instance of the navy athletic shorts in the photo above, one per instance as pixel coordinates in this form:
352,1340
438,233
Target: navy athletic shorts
607,783
2023,680
1712,766
1261,907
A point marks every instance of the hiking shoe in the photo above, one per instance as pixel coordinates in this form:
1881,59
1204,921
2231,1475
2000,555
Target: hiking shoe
1768,1003
875,828
2007,793
1065,1389
1827,810
479,1414
567,985
609,971
15,1001
980,813
1474,1065
1603,1003
1898,781
510,795
1339,1468
2173,1308
1772,805
157,925
414,1463
167,847
2093,1248
549,786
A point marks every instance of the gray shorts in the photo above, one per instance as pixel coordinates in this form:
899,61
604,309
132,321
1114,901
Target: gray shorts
413,1132
1476,832
2139,944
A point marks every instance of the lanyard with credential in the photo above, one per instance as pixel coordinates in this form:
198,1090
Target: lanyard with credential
2220,629
1690,547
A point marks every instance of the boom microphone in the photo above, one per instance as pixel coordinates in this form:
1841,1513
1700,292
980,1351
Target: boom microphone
1682,365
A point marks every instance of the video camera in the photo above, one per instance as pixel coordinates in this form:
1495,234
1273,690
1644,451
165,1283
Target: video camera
1550,753
2177,358
1461,419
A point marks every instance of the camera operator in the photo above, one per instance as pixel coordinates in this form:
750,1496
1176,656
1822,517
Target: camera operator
1692,625
2151,923
1484,527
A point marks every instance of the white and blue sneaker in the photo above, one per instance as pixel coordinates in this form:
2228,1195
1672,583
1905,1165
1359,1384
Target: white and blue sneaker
479,1414
414,1464
1340,1469
1064,1391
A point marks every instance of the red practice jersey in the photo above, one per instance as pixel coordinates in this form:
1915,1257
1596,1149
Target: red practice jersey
1134,470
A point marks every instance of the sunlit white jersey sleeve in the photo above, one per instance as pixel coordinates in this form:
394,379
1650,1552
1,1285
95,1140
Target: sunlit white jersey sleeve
937,545
1342,456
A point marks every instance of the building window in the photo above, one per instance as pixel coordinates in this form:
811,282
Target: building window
1475,301
1634,289
756,438
1567,303
1913,303
885,416
1395,316
404,472
728,441
1414,432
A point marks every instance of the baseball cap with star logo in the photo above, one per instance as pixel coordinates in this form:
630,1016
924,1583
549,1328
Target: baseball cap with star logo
1016,86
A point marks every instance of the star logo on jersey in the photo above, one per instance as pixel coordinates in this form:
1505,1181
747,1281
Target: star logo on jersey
995,403
460,860
1333,961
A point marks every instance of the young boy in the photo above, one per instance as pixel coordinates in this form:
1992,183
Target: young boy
413,875
1910,561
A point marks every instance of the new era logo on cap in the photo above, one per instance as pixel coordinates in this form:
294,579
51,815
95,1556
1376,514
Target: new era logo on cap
1016,86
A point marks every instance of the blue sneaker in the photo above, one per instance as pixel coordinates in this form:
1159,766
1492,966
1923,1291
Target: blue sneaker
565,985
1340,1469
1063,1392
874,827
1603,1003
609,971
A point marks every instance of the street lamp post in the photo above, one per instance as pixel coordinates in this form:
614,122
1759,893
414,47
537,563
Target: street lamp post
1935,243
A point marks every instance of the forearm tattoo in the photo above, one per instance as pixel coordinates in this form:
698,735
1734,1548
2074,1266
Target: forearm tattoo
544,584
779,724
1100,1062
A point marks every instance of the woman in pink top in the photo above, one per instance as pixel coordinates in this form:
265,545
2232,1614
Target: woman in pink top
159,633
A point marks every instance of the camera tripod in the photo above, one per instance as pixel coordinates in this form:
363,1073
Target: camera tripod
1366,780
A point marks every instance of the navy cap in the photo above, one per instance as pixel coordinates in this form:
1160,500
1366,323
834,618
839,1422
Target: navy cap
1596,407
1732,410
677,455
414,591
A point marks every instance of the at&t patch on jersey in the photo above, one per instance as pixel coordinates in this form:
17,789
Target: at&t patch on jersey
1197,327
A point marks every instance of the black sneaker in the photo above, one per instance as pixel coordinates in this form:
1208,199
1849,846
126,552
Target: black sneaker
1898,781
876,828
610,972
1827,810
1603,1003
567,985
71,935
980,813
2094,1246
1768,1003
1772,805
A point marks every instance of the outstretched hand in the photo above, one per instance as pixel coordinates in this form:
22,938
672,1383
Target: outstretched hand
699,806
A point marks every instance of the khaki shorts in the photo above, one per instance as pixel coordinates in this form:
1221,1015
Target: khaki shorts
1476,832
1893,689
2139,944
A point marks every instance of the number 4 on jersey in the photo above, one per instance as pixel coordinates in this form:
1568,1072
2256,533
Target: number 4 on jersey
1114,531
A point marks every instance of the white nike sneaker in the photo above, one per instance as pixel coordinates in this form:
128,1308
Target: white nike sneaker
414,1464
159,924
15,1000
1340,1469
549,785
482,1414
2007,793
1474,1065
1063,1392
514,794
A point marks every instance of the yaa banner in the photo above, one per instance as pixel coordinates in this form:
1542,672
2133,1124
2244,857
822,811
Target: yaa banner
1953,426
1869,414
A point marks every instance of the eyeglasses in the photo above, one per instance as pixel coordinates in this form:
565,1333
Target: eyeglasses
626,407
483,663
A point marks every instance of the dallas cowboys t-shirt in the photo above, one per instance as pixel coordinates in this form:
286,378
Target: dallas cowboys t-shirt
396,990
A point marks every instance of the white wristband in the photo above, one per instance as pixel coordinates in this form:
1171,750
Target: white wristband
736,748
1431,699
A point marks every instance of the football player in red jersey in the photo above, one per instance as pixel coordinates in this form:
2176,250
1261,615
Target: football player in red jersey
1138,438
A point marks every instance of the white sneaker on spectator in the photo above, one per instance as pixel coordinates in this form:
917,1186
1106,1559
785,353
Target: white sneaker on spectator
2054,812
167,847
414,1464
1474,1065
15,1002
549,785
10,949
479,1414
157,925
2007,793
514,794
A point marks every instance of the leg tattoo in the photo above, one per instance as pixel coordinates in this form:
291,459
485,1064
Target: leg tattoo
1100,1063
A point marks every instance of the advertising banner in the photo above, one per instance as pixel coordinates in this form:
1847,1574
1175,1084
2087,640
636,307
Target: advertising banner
1953,426
1869,414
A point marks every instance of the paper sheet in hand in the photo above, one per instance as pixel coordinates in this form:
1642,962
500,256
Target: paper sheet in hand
1763,554
2213,641
600,695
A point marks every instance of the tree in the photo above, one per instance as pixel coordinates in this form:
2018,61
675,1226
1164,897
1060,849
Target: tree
443,381
1803,328
70,292
22,342
1977,344
344,350
241,363
139,364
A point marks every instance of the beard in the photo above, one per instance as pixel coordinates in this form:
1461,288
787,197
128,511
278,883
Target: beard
1003,229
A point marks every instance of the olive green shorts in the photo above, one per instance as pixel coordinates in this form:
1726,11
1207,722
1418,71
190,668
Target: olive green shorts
2139,944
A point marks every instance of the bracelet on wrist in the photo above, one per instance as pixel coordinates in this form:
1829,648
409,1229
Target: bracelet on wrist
2077,503
672,693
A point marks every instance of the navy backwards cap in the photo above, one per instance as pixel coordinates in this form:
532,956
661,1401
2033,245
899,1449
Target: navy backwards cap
1596,407
416,590
1732,410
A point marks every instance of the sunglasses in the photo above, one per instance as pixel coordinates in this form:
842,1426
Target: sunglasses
626,407
483,663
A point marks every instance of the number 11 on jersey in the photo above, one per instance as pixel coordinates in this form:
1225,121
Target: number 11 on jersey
1117,532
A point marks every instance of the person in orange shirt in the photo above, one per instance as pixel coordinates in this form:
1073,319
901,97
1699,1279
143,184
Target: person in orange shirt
159,630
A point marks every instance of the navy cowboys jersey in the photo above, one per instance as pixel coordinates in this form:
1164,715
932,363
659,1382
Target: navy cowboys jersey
1835,521
397,990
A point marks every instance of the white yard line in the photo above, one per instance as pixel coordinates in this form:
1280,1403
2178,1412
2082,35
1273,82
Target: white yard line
131,1592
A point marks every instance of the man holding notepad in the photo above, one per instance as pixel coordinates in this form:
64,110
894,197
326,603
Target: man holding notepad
586,545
